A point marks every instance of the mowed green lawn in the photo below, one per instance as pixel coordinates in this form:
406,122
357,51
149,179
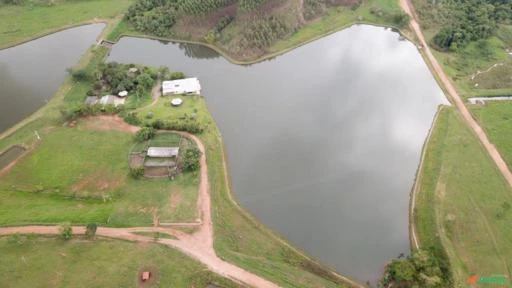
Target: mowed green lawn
80,175
464,203
32,261
20,23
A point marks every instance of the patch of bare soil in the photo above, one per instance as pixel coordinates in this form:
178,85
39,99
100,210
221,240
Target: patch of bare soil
156,171
107,123
136,160
96,184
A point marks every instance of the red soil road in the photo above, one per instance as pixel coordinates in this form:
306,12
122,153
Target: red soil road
466,115
198,245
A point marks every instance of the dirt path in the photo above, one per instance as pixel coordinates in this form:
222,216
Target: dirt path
457,100
198,245
155,93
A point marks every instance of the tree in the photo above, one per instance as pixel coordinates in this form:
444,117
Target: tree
191,159
177,75
145,81
90,230
65,231
145,133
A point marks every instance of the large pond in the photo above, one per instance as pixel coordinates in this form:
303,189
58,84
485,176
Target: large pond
323,142
31,73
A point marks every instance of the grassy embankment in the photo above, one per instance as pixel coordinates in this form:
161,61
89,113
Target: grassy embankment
189,29
37,18
463,203
36,261
464,63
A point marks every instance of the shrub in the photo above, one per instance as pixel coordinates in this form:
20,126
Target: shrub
177,75
90,230
191,159
131,118
136,173
145,133
65,231
80,75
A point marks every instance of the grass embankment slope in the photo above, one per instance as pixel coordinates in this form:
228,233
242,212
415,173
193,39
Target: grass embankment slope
33,261
463,203
267,30
37,18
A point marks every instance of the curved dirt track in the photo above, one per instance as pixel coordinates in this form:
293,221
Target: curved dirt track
466,115
198,245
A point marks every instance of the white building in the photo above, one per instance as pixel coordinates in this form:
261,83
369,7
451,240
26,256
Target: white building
182,86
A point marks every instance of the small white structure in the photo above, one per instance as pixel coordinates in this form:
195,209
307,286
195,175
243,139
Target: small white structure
182,86
123,94
163,152
133,70
176,102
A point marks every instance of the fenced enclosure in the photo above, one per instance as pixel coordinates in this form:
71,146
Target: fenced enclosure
158,167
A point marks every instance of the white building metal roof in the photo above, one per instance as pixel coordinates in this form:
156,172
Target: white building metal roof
182,86
123,94
163,152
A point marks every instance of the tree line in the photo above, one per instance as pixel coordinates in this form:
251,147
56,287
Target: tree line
469,20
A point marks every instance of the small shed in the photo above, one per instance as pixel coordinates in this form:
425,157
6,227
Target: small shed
181,86
133,70
163,152
123,94
176,102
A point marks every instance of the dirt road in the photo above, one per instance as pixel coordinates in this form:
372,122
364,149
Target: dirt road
457,100
198,245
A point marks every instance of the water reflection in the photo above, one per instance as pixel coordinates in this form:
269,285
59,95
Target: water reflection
31,72
323,142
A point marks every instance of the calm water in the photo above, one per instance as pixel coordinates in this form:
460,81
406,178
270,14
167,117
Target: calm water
31,73
323,142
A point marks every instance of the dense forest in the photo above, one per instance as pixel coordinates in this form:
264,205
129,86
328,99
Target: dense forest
464,21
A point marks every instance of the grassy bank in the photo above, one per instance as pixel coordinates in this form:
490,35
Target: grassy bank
462,206
33,261
37,18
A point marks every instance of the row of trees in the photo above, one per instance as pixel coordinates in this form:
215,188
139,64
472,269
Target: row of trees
469,20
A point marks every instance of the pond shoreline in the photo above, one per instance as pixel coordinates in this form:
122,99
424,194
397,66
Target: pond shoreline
37,113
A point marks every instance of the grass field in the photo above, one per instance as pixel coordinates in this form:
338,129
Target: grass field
36,18
32,261
68,179
463,202
496,118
